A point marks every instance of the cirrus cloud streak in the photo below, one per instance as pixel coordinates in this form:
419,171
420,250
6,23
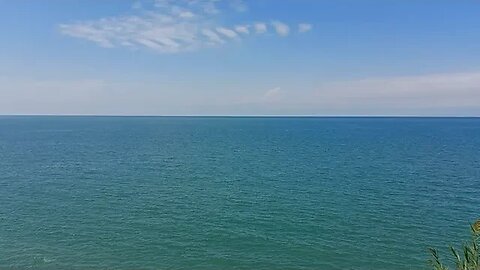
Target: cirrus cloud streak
167,26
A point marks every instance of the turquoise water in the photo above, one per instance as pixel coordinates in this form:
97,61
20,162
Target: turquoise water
234,193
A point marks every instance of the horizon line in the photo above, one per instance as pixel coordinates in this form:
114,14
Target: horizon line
241,116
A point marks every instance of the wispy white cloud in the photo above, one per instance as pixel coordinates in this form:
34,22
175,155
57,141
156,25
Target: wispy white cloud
304,27
227,32
168,26
213,38
281,28
243,29
186,14
274,92
162,33
260,28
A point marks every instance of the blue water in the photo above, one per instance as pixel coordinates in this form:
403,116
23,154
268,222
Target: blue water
234,193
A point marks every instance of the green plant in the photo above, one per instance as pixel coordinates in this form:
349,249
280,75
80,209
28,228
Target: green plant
469,259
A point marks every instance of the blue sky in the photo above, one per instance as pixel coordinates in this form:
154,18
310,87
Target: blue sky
239,57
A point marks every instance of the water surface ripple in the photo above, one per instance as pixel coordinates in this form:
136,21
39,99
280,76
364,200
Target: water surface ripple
234,193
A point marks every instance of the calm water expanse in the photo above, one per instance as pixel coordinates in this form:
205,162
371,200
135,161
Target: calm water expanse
234,193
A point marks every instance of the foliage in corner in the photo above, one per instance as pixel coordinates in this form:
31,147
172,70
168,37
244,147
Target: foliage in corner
468,259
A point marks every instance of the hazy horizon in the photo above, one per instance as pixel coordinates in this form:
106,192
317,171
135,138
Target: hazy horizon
239,116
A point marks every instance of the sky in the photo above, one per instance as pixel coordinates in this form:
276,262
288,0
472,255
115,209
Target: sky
240,57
